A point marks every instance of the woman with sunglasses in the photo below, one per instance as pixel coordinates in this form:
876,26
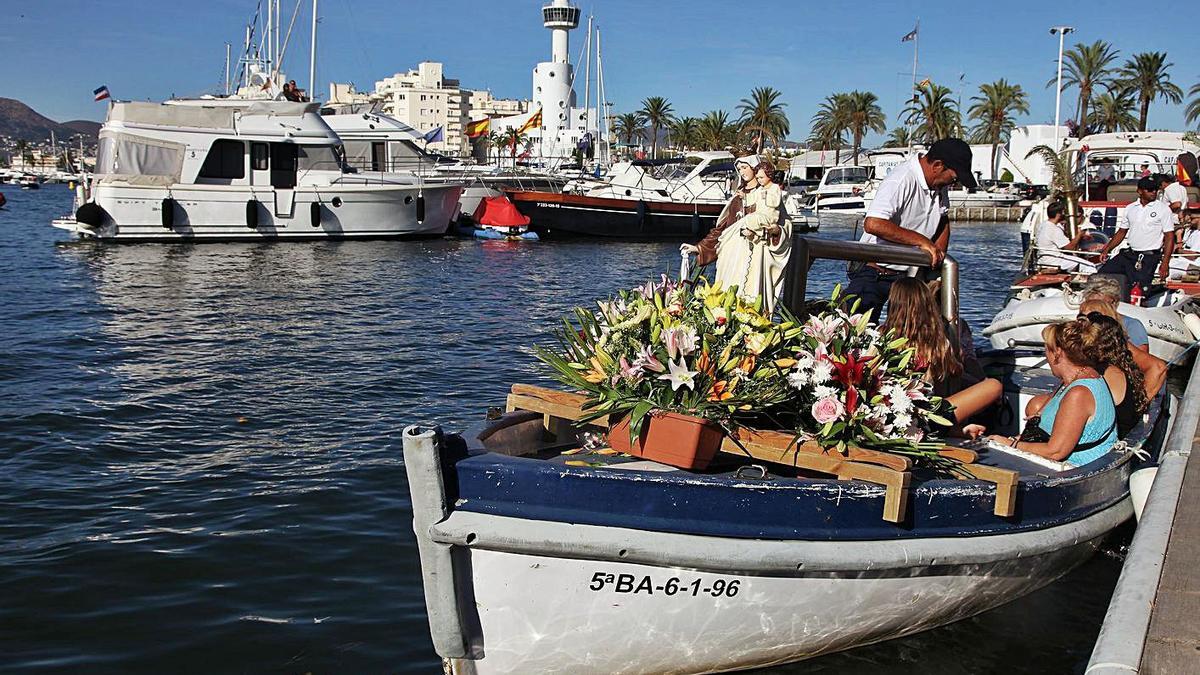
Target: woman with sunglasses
1078,424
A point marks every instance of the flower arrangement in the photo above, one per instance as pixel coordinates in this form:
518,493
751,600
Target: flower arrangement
853,385
696,349
689,348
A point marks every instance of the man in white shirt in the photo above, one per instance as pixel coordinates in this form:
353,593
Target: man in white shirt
1052,240
1149,227
910,208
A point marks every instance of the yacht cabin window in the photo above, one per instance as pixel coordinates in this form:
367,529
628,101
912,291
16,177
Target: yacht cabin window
259,155
226,160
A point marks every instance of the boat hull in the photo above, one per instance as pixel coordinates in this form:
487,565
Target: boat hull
579,619
1021,321
566,215
219,213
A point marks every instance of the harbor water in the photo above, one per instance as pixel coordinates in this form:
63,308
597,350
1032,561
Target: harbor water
201,444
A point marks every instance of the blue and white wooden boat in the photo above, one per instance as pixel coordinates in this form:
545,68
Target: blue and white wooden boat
535,561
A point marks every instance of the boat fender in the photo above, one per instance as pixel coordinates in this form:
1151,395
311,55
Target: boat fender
1193,323
695,223
314,214
420,208
91,214
168,213
252,214
641,212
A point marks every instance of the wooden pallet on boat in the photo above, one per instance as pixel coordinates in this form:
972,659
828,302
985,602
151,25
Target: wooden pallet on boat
561,410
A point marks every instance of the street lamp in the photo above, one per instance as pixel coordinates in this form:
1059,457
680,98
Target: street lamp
1061,32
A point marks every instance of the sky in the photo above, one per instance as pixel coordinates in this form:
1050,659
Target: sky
699,54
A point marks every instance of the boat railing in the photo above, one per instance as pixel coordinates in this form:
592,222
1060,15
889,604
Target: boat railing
805,250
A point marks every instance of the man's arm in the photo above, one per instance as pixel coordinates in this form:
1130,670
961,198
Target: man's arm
942,240
889,231
1112,243
1164,267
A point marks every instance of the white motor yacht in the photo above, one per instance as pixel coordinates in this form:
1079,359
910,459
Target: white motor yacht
226,169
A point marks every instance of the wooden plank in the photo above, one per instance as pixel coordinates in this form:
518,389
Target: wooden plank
550,408
782,441
1006,481
959,454
895,500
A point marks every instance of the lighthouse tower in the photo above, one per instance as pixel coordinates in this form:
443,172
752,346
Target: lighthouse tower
552,90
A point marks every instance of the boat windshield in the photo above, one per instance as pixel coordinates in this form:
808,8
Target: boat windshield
320,158
846,175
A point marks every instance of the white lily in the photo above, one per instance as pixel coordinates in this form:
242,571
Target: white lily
679,376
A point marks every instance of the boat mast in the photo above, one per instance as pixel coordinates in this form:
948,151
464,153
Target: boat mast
312,56
267,47
913,93
587,68
227,49
602,105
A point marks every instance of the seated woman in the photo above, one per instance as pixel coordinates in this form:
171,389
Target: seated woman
1153,369
1079,422
913,314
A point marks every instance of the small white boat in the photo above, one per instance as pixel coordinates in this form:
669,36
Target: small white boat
1041,300
535,561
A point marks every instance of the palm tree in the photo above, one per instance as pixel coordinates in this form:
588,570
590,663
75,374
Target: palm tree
1193,108
763,116
1061,181
933,113
512,138
899,138
1112,112
1087,68
994,108
658,114
863,114
714,131
683,132
1146,75
489,141
830,122
628,125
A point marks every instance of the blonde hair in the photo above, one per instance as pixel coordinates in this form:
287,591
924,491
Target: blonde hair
1077,340
1102,306
913,314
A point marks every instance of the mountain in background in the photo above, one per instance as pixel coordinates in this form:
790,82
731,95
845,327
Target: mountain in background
18,120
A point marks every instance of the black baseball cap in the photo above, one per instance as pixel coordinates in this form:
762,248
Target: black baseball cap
955,154
1147,183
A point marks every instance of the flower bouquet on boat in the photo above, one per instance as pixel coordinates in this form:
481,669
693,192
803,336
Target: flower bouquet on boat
722,490
674,361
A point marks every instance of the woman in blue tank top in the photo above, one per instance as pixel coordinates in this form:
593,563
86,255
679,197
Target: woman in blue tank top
1080,418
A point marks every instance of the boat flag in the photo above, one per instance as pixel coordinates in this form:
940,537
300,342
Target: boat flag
436,135
911,35
101,93
534,121
923,83
478,127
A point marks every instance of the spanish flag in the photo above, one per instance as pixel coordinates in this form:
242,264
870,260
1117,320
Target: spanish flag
478,127
532,123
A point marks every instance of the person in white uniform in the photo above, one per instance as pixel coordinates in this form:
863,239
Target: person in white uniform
910,207
1149,227
1053,240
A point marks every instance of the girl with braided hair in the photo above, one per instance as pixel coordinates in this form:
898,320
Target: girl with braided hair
1124,378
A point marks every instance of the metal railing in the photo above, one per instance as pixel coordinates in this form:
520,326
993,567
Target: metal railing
805,250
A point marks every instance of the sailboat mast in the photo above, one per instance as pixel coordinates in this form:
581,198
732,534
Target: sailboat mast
312,56
269,46
587,67
227,50
601,107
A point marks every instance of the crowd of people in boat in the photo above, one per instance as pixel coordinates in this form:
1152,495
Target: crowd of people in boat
1108,377
1162,237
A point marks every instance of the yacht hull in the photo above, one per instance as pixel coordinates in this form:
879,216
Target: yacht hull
224,213
567,215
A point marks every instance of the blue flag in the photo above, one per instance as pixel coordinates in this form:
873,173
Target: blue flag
435,135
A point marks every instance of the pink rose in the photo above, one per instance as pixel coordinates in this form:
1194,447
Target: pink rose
827,410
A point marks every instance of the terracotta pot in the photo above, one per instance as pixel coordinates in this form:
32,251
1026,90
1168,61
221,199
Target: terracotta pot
670,438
